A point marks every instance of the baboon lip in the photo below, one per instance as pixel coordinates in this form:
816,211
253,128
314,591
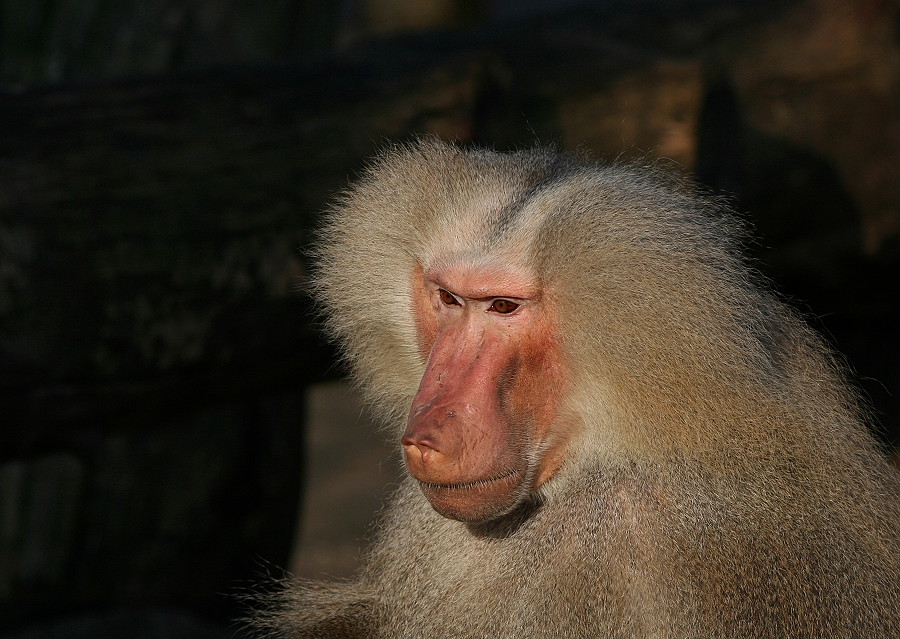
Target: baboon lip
469,485
476,501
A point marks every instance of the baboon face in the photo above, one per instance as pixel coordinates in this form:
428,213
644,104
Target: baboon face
480,435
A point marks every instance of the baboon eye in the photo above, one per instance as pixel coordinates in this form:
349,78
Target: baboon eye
448,298
504,307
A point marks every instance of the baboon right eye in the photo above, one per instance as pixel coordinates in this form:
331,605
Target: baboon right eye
448,298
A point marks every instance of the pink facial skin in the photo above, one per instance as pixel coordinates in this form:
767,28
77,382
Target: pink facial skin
479,426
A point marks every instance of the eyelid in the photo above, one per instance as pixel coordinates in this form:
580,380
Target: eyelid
447,298
504,300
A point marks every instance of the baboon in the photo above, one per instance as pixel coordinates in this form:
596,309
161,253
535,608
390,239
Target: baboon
612,426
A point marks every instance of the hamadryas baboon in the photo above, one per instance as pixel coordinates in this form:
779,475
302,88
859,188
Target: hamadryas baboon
612,427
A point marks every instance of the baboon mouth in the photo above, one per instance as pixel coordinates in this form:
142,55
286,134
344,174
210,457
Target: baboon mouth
469,485
478,501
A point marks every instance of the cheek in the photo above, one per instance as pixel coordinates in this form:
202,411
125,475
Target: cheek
541,382
546,380
423,314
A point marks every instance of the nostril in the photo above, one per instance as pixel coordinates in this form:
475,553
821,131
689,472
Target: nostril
419,453
422,445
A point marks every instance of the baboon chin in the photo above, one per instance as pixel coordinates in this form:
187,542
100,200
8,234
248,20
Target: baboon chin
612,426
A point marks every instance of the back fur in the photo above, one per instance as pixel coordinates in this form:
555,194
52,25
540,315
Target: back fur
722,483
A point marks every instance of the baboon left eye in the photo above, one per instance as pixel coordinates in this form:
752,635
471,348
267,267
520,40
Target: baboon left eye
447,298
504,307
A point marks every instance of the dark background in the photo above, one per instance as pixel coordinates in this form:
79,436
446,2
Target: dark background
162,163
